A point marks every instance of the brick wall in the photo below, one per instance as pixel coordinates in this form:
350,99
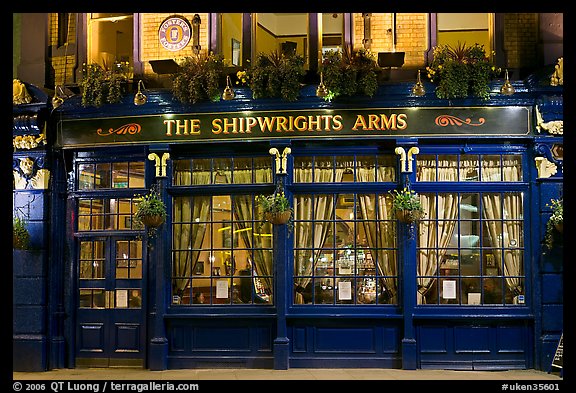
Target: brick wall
521,39
411,35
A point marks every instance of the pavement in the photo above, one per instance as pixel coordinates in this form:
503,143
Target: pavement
323,374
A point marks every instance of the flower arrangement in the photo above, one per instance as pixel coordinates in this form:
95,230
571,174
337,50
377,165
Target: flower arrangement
20,234
101,86
349,73
406,205
198,78
275,208
555,222
275,75
150,211
461,71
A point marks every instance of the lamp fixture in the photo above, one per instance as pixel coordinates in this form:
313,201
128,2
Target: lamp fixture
228,92
140,98
507,88
321,91
57,100
418,88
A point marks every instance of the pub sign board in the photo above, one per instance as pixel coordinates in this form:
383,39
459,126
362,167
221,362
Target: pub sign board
509,121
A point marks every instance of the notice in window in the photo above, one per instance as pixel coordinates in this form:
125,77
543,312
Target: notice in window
222,289
344,290
121,298
449,289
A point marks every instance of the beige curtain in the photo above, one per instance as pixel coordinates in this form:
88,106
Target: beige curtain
508,259
436,230
260,245
187,237
311,228
380,233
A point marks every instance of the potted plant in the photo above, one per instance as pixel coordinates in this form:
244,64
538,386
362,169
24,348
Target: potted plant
406,205
276,75
199,78
349,73
20,234
101,86
461,71
150,211
275,208
555,222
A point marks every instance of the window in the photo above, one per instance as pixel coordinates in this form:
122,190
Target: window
344,242
284,32
470,245
221,251
110,39
109,212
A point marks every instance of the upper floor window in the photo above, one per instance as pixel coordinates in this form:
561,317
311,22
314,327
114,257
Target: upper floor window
204,171
285,33
110,39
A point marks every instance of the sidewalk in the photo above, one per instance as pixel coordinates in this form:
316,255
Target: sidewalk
113,374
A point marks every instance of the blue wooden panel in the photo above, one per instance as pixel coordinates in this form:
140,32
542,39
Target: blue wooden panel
552,288
432,339
510,339
552,317
28,319
28,263
264,339
347,340
298,339
91,338
390,340
127,337
29,291
177,339
221,338
471,339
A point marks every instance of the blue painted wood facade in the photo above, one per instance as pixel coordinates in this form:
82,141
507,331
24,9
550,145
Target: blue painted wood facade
408,336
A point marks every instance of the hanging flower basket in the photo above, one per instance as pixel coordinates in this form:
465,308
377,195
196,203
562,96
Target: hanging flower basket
152,221
278,218
408,216
559,227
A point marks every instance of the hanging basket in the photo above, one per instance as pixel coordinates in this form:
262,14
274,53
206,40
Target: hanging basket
153,221
408,216
278,218
559,227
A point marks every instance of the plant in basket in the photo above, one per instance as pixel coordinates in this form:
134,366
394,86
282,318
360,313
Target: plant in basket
275,208
150,211
555,223
406,205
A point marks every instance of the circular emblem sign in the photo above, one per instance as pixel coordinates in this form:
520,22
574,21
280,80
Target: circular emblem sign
174,33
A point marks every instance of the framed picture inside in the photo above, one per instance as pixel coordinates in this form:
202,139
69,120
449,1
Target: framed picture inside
235,52
490,260
199,268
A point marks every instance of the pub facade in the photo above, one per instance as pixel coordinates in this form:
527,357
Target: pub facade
345,283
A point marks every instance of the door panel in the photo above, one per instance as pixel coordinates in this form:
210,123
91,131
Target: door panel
110,314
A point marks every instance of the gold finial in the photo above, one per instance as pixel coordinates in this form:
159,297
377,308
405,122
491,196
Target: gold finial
140,98
418,88
507,88
228,92
321,91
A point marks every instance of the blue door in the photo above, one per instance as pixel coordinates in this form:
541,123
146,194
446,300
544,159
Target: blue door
110,315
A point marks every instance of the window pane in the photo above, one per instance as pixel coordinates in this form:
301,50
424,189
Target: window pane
136,179
231,38
103,174
469,167
86,176
491,168
283,32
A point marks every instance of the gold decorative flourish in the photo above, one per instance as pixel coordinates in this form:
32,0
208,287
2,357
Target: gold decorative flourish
131,128
448,120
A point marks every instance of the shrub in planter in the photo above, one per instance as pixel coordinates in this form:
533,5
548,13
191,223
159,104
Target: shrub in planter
349,73
275,75
100,86
198,78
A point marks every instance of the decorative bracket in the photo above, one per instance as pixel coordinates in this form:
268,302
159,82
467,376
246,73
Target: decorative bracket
281,159
406,159
552,127
160,163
